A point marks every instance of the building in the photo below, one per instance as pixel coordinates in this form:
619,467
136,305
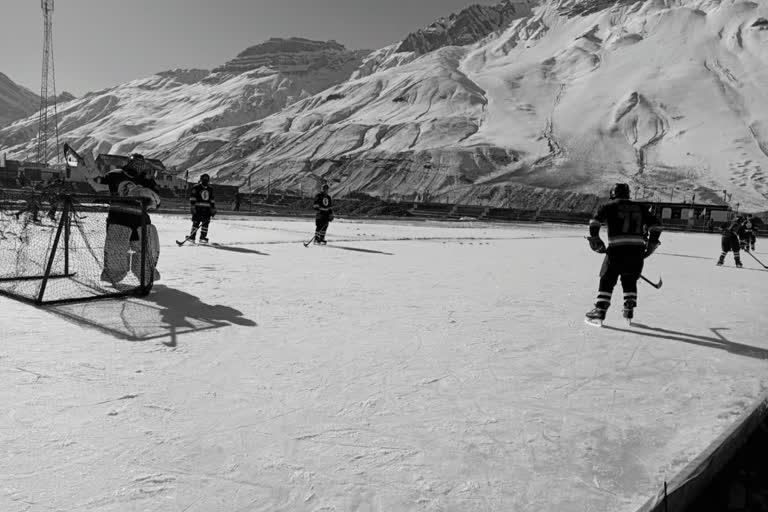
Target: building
169,184
21,173
690,214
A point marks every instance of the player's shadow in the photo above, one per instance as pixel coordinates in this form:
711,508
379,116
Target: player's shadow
718,341
242,250
685,256
164,313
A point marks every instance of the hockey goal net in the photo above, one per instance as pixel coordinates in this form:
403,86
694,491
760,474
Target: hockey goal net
56,249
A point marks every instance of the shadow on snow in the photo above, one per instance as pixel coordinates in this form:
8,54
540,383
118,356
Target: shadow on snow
718,341
166,312
233,248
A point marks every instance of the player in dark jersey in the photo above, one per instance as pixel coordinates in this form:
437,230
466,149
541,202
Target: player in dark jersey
323,205
627,222
749,231
729,240
124,220
202,206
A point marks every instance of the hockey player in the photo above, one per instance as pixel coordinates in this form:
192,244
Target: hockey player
202,206
729,240
323,206
124,221
749,231
627,249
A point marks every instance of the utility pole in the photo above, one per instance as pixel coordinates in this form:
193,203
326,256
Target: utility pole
47,126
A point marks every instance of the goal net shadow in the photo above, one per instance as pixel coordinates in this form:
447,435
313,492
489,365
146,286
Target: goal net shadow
164,315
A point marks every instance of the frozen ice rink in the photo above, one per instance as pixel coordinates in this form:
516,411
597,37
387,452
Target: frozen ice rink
434,367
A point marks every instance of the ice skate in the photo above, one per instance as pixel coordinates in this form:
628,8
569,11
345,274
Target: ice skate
738,264
595,317
203,240
628,313
720,262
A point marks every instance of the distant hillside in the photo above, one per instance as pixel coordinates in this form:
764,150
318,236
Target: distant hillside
16,102
575,95
538,103
156,114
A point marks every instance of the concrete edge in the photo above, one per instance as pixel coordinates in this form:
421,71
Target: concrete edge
689,483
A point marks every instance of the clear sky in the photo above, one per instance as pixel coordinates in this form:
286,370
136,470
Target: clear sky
101,43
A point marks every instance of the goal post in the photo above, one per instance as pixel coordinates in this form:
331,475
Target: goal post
61,248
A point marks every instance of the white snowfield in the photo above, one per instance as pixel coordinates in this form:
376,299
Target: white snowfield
446,369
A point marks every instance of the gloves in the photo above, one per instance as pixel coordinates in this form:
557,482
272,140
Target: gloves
152,197
192,210
213,212
650,247
330,217
596,244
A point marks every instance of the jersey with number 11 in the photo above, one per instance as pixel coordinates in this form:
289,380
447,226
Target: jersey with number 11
626,221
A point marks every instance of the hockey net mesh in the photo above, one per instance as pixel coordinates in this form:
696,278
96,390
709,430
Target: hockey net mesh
55,249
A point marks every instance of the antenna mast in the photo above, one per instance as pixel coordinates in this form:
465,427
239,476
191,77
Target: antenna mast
47,125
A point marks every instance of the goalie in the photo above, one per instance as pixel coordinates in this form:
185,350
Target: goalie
122,248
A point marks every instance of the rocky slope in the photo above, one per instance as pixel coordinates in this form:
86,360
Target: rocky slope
157,114
16,102
670,96
466,27
502,105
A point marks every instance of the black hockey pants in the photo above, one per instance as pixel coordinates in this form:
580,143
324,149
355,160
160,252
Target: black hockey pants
625,262
321,226
200,221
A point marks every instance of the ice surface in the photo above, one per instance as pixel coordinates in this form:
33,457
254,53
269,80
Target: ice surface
449,369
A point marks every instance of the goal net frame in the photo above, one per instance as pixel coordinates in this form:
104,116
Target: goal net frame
61,260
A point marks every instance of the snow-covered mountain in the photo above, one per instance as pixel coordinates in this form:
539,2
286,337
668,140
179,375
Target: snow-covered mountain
16,101
671,96
517,103
158,113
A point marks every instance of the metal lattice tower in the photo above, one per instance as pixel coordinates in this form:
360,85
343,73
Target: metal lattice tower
47,126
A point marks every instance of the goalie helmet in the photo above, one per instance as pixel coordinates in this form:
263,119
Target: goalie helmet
137,165
620,191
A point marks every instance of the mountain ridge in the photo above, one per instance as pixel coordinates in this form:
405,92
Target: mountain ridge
16,101
565,96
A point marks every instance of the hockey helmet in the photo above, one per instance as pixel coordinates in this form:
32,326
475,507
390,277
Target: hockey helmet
137,164
205,178
620,191
324,187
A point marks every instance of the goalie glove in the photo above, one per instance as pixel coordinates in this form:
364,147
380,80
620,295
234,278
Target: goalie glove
650,247
596,244
150,196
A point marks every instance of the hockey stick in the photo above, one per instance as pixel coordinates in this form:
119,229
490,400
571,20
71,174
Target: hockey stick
755,258
306,244
655,285
187,239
